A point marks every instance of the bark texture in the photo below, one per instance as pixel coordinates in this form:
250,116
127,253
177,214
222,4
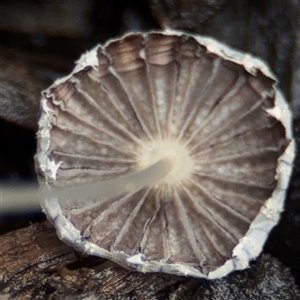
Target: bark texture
35,264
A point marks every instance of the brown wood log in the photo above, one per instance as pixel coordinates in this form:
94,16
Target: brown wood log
22,78
35,264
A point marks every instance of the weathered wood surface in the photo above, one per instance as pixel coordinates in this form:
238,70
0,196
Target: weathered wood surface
35,264
22,78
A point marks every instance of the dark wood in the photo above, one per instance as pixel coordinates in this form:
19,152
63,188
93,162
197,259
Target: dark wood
66,18
35,264
22,78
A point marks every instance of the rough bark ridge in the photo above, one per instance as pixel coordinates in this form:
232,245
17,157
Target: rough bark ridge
35,264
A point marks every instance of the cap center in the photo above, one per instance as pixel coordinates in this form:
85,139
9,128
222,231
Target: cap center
182,163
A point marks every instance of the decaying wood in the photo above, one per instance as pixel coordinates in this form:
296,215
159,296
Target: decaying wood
21,83
35,264
64,18
185,14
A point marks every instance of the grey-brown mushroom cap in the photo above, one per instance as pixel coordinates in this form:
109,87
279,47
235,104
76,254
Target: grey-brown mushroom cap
166,152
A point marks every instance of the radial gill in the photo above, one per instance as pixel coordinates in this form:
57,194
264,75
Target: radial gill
166,152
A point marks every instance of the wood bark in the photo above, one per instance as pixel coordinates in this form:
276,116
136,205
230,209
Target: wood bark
35,264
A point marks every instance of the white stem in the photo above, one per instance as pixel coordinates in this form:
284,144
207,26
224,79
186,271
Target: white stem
25,197
128,183
19,198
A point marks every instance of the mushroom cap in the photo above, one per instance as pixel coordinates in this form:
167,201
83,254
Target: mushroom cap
215,113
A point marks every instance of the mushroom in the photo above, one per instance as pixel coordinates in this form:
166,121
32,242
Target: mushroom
166,152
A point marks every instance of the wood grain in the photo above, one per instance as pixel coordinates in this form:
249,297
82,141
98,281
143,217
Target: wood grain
35,264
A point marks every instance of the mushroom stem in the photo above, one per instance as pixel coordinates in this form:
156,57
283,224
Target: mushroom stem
23,198
19,198
124,184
